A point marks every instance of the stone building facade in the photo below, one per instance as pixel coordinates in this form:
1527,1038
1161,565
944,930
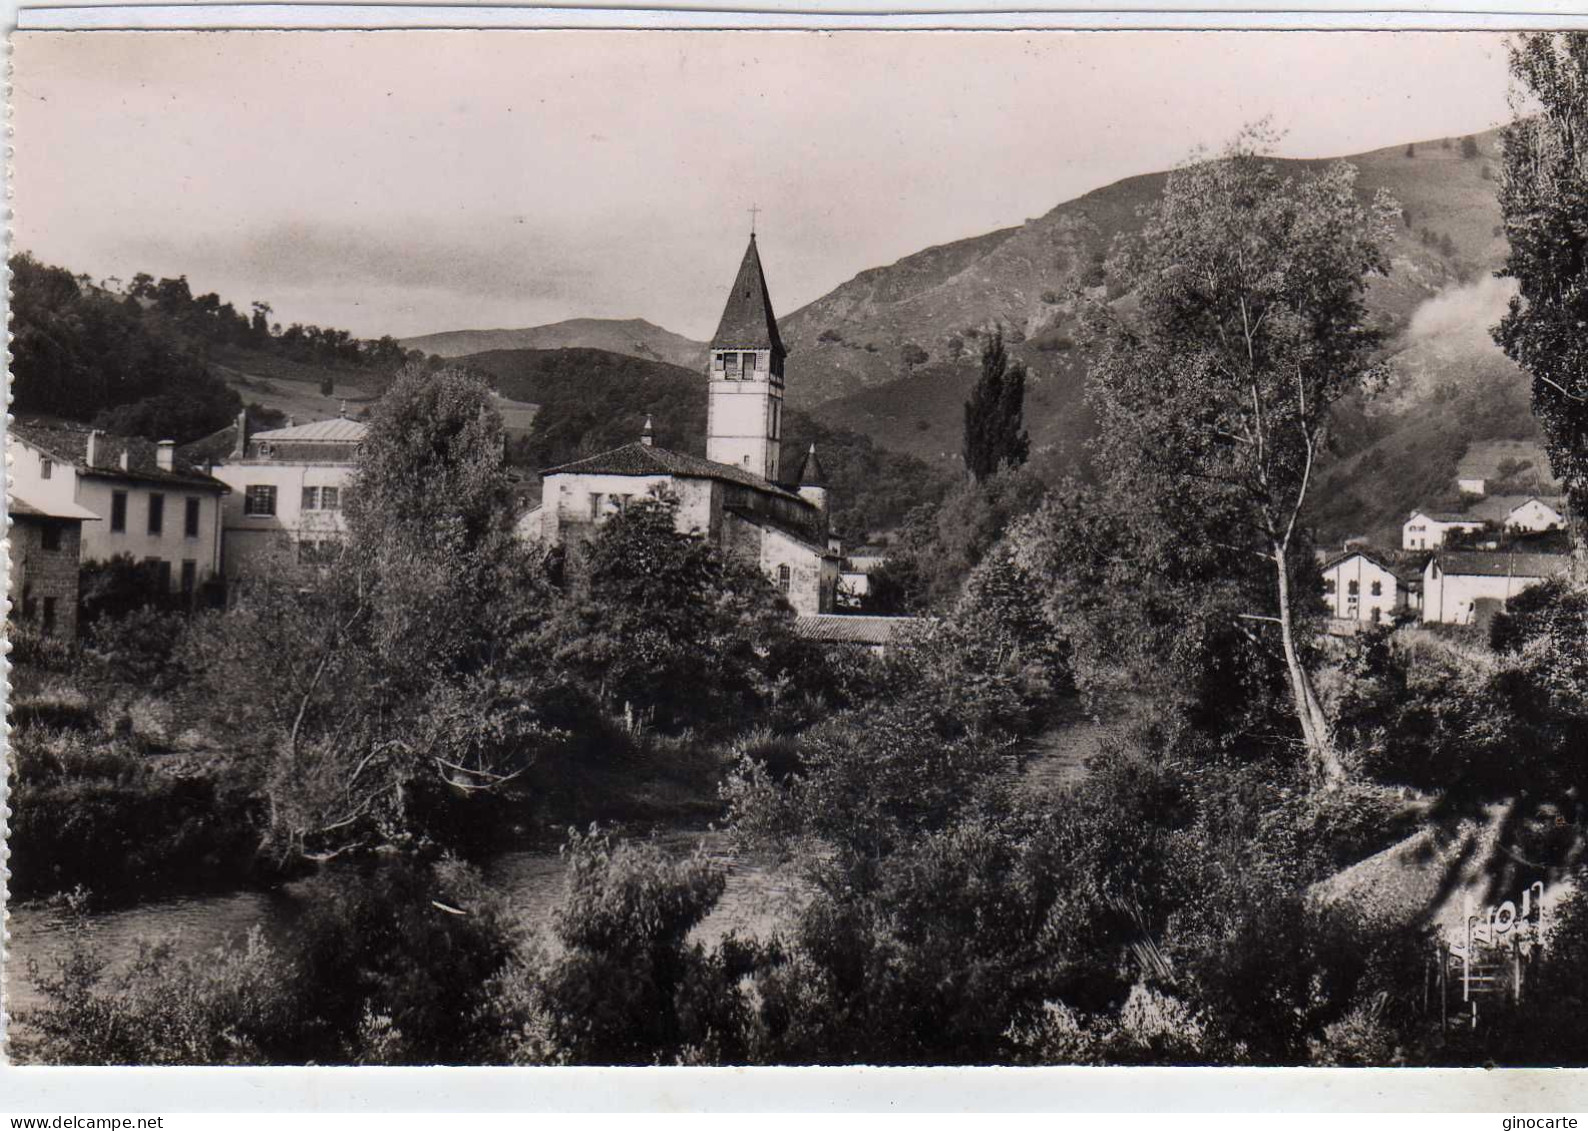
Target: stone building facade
45,557
734,497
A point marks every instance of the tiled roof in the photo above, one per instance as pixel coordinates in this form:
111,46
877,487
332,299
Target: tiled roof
747,319
1496,508
1405,567
645,459
217,447
1473,564
70,445
836,629
70,511
336,430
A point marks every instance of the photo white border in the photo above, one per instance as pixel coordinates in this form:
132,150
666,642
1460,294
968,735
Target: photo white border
39,1090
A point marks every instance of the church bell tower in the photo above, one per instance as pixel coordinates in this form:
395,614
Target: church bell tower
744,406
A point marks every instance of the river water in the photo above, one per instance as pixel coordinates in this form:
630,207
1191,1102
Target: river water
761,891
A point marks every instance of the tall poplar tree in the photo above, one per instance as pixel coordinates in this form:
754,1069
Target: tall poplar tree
1214,396
995,433
1544,201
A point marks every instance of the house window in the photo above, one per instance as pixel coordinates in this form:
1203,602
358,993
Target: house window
719,361
156,513
46,468
29,604
1378,615
784,577
118,512
190,519
311,498
49,615
1353,588
330,499
259,500
50,537
595,505
189,576
1328,586
1378,589
265,450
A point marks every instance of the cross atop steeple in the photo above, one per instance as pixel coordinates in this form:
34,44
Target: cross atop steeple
753,210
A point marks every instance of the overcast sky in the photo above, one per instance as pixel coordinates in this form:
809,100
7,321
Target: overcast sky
407,182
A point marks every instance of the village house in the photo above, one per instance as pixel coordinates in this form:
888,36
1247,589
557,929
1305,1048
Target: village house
734,497
288,487
1361,585
1521,514
1456,585
1428,531
149,505
1522,463
45,556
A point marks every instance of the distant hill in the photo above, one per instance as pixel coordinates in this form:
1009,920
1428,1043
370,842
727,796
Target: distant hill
590,400
940,300
634,337
1450,385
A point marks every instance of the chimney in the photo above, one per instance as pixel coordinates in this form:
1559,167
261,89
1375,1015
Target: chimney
91,455
125,462
240,448
165,454
647,436
341,413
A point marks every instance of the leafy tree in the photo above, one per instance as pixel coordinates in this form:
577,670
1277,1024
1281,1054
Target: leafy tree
1469,147
1544,202
662,625
405,667
1214,400
995,434
942,543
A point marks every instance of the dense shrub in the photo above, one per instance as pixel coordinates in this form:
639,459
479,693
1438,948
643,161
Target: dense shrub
629,988
231,1006
390,964
90,812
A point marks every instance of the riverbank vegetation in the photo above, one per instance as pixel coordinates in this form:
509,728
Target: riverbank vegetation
1183,903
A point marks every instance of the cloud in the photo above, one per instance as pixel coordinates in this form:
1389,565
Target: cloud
413,255
1465,311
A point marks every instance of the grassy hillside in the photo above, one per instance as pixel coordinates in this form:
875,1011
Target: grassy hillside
634,337
1450,385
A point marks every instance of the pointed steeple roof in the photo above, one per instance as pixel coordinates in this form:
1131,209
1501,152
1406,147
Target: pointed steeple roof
811,473
747,320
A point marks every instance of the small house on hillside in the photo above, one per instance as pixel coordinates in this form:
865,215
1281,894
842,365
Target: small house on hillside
1428,531
1490,462
1455,583
151,506
1362,585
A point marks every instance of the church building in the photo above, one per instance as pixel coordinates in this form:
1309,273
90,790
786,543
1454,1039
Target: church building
735,497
